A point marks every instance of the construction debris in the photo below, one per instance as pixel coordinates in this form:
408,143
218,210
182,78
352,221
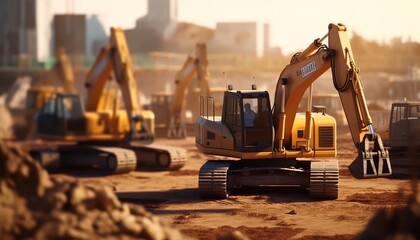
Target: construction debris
34,205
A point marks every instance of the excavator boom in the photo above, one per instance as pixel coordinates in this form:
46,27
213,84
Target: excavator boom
298,76
195,65
65,71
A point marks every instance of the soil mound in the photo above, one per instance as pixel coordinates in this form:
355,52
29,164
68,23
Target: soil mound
34,205
6,123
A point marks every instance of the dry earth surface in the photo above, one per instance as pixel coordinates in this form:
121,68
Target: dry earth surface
270,213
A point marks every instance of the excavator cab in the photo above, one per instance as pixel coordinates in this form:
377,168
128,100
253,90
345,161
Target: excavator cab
62,115
247,115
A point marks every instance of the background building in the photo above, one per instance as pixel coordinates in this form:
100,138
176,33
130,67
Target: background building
31,30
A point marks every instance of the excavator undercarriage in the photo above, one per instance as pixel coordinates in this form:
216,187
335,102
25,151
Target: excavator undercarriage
112,160
218,178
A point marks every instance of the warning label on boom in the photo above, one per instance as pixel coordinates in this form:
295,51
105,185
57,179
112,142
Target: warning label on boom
308,69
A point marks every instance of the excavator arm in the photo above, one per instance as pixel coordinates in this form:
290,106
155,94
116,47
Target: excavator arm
194,65
347,82
124,71
96,78
115,58
64,70
298,76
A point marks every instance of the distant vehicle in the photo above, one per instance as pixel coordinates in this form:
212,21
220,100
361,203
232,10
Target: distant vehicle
402,136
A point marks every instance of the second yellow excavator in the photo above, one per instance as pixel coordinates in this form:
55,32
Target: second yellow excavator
276,146
170,109
104,136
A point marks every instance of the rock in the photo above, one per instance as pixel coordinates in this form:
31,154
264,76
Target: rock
86,224
151,230
130,225
107,200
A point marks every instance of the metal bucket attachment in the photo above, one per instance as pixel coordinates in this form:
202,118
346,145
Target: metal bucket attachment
373,159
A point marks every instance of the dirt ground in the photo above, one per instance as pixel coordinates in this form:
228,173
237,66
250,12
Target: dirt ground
270,213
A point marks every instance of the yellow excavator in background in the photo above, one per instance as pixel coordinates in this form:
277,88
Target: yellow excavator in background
170,109
275,146
29,100
106,137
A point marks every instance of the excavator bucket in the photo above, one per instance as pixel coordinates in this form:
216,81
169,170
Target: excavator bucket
373,160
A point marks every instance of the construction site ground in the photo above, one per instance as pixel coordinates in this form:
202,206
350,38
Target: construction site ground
268,213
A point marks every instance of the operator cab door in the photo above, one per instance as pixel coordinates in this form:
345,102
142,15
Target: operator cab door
232,117
62,115
250,135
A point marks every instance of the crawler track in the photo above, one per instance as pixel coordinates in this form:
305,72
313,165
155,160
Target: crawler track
212,182
111,160
119,160
324,180
159,157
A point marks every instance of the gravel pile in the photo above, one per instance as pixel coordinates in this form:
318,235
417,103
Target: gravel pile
35,206
401,223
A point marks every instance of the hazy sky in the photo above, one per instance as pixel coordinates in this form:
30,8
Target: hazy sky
294,23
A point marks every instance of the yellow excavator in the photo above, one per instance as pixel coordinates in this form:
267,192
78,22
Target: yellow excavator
170,108
104,136
25,98
278,146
